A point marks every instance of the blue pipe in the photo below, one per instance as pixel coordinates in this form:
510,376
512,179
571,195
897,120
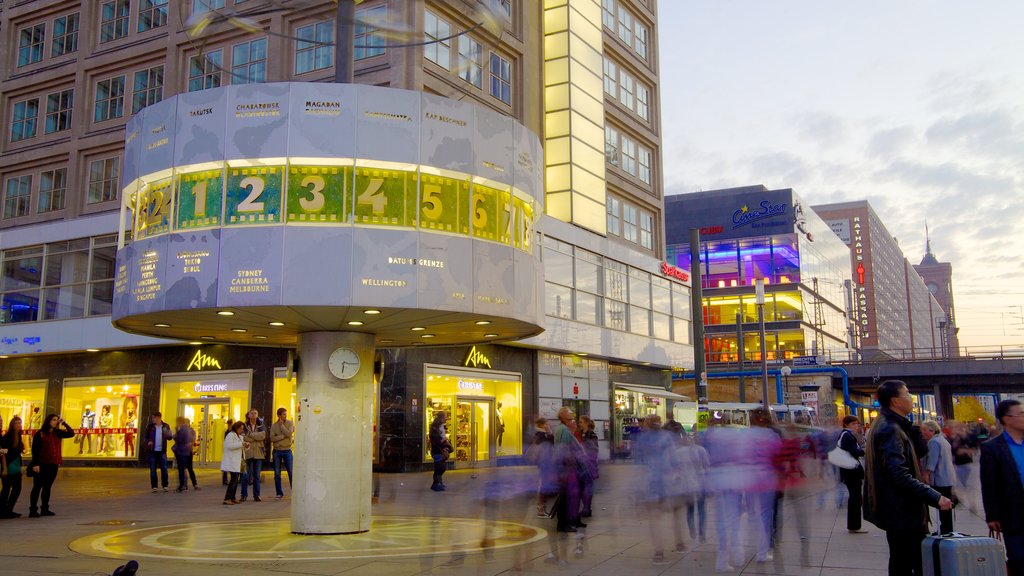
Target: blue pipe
778,380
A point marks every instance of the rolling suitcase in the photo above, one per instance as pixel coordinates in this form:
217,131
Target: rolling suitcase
962,555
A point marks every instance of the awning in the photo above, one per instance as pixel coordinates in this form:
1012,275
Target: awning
653,391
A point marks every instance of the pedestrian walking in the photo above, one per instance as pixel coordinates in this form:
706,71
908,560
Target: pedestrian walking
658,454
10,471
46,460
588,439
938,469
254,433
227,430
964,448
851,439
184,441
440,449
1002,483
540,454
282,434
569,460
158,434
231,460
895,498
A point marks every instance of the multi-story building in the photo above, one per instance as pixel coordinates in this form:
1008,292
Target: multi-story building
73,73
895,314
753,233
938,277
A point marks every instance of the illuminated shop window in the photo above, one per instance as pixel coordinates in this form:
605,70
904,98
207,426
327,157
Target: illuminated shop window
105,415
25,399
209,400
484,408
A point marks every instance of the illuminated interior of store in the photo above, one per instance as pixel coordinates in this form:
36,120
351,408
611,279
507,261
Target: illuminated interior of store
208,400
485,416
24,399
104,412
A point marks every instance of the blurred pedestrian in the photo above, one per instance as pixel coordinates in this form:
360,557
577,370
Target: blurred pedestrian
1002,482
540,453
158,434
254,451
964,450
571,464
282,434
683,482
46,460
764,486
10,473
440,450
231,461
184,441
852,441
895,498
938,469
588,439
657,452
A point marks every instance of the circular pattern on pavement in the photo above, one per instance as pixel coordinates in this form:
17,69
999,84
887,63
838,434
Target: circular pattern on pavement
271,539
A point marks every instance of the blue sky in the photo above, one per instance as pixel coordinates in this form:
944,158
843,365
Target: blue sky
916,106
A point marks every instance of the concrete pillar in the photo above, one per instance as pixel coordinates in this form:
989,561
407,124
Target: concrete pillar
333,437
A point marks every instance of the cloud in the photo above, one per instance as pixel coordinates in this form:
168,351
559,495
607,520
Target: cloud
891,142
824,130
989,133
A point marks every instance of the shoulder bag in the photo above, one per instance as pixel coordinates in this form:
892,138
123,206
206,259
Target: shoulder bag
841,458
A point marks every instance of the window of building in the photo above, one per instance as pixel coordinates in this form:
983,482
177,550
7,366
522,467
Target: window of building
249,62
501,79
625,25
471,61
644,172
52,190
104,413
614,206
506,6
16,196
65,35
640,40
628,155
314,50
58,111
26,400
626,84
109,99
200,6
611,145
643,96
113,20
149,88
22,269
204,71
615,314
152,14
369,42
629,222
647,230
611,74
101,274
65,279
103,180
25,120
608,13
30,44
438,51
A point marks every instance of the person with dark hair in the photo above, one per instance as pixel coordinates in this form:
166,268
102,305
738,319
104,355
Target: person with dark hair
46,460
254,433
440,449
158,434
231,461
1002,482
852,441
184,441
588,439
282,432
10,474
895,498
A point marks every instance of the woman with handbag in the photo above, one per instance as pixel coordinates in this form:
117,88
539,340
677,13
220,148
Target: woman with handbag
851,440
46,460
440,449
231,461
10,472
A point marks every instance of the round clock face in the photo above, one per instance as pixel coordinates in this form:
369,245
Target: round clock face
343,363
932,287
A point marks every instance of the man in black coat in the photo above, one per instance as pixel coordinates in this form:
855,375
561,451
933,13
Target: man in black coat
895,498
1002,482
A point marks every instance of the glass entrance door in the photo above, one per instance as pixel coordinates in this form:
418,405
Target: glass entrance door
209,420
474,431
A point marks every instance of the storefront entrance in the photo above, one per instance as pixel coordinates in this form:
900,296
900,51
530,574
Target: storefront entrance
209,418
474,431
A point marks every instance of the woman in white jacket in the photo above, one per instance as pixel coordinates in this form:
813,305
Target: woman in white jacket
231,462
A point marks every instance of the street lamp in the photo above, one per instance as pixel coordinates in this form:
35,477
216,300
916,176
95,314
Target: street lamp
759,287
786,371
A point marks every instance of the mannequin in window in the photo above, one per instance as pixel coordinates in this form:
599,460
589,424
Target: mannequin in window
106,421
88,422
129,436
500,427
